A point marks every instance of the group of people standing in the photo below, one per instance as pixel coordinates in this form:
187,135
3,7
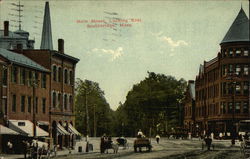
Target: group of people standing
106,142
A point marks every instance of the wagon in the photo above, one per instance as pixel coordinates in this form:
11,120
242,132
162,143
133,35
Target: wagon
122,142
142,142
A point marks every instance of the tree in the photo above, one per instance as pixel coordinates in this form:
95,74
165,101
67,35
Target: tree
89,99
154,103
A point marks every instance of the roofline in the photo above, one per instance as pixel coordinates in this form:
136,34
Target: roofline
76,60
225,42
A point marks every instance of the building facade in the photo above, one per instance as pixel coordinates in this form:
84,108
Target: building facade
222,85
37,87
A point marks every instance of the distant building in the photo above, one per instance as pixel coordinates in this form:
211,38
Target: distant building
222,85
37,88
189,108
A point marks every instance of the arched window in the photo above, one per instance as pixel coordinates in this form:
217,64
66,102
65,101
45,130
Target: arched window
65,76
54,72
54,99
59,74
65,102
70,102
71,78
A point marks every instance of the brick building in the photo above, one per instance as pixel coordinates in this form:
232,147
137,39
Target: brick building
222,85
37,86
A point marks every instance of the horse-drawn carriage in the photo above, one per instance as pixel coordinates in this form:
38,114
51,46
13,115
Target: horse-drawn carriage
107,143
142,142
122,142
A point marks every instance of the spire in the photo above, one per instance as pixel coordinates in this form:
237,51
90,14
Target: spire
239,30
46,42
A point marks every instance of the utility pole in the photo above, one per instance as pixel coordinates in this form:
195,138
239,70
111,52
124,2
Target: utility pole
94,121
34,83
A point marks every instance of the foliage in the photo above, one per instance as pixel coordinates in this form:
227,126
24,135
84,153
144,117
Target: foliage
88,93
153,103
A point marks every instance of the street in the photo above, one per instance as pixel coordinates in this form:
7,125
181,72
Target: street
167,148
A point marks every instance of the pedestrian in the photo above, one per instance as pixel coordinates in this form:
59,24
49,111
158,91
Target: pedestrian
25,149
139,134
10,147
189,135
220,135
157,138
212,136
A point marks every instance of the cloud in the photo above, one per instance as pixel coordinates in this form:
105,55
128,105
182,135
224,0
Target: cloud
113,53
173,44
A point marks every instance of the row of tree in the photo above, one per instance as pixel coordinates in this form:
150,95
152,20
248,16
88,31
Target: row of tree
154,105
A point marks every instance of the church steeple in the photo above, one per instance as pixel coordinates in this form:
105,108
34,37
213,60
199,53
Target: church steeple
46,42
239,30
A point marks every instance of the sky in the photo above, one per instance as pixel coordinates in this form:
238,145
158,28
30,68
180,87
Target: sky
117,42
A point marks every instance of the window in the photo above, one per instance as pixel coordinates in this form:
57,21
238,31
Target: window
59,74
246,88
22,76
237,88
14,74
237,70
70,102
230,107
4,77
237,107
224,88
245,107
245,69
223,108
5,106
54,73
29,104
54,99
14,103
44,80
238,52
59,99
224,53
65,76
44,105
36,105
246,52
65,102
30,78
230,53
230,68
71,78
22,103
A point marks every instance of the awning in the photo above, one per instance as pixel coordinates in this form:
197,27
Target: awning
73,130
25,127
43,123
6,131
61,130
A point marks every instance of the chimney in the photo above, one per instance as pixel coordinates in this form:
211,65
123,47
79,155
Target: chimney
6,28
61,46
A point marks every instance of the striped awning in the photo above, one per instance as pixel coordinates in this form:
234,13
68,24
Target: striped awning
72,130
61,130
6,131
